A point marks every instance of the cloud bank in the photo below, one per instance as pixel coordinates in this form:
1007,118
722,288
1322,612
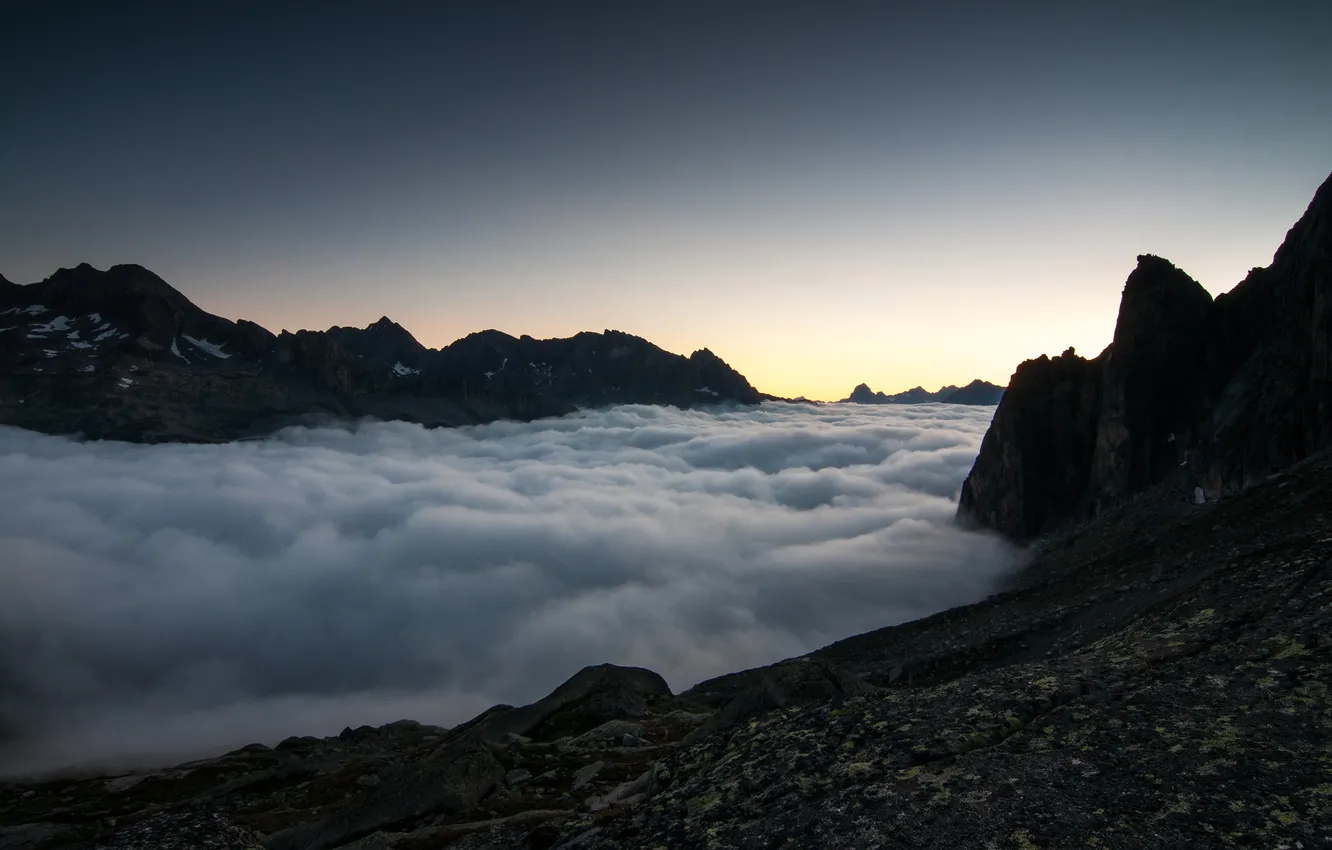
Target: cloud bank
163,601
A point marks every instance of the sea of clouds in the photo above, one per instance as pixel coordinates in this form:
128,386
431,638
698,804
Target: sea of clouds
167,601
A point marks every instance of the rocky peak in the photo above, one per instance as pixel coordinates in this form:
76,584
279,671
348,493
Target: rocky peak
1227,391
1307,247
1151,397
129,297
862,394
722,381
384,343
386,327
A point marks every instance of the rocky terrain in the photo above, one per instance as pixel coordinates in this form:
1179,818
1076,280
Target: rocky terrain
977,392
1157,678
1231,389
120,354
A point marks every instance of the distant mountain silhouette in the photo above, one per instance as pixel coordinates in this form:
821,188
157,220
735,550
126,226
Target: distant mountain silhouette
977,392
120,354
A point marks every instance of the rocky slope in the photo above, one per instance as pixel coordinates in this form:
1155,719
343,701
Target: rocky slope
120,354
977,392
1230,389
1156,678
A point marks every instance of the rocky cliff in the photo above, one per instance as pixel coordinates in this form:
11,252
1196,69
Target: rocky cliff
120,354
1034,457
1216,394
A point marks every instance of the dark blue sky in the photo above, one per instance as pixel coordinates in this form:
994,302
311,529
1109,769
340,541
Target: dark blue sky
822,192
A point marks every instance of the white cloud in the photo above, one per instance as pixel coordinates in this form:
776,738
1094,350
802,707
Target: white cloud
171,600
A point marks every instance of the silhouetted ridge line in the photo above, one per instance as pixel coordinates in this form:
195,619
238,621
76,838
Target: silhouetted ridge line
977,392
121,354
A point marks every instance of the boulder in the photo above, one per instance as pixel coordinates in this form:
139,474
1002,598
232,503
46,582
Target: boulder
591,697
797,681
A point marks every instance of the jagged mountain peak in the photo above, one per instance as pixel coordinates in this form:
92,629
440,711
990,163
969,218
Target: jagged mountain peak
1159,278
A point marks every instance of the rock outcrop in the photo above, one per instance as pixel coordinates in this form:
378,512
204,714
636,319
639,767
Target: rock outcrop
1218,394
120,354
1150,397
1034,460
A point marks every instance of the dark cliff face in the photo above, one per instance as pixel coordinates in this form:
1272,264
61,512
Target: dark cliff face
120,354
1149,396
1034,462
1272,350
1231,390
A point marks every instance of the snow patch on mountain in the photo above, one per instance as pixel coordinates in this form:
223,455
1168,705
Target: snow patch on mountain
206,346
60,324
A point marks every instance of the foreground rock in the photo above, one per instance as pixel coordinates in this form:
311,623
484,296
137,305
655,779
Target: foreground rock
120,354
1156,678
1231,390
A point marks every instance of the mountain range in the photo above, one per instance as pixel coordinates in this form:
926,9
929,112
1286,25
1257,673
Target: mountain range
977,392
121,354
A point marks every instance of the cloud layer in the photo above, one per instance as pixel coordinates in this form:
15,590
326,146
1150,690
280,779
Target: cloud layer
161,601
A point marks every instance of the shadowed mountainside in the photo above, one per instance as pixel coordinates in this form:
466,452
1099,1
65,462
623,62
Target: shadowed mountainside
120,354
1230,389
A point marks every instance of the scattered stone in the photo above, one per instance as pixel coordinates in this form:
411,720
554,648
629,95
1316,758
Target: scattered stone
586,774
123,783
609,731
517,776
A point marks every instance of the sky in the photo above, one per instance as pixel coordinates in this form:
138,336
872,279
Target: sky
161,602
823,193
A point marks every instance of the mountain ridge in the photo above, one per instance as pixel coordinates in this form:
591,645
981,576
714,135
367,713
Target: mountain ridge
977,392
121,354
